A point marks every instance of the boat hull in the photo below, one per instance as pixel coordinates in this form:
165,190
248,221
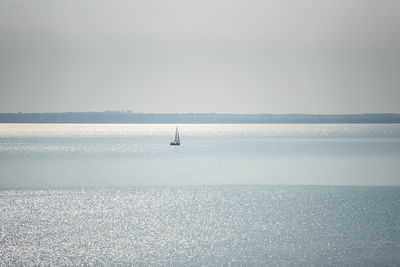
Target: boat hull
175,144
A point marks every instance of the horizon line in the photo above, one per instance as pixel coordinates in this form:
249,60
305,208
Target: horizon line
218,113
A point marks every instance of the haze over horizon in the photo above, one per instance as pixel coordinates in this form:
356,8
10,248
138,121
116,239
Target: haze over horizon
242,57
189,112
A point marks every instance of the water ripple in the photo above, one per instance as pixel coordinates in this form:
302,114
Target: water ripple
239,225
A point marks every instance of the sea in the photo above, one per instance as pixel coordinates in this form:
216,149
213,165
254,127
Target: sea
229,195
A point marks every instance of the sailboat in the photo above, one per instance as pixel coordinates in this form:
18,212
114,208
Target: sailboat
176,142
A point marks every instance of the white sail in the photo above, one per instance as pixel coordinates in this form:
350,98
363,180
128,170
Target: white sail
177,141
177,136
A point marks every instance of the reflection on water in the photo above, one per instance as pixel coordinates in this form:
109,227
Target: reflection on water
269,130
202,225
74,194
119,155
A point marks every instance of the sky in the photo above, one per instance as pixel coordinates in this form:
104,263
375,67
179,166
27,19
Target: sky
236,56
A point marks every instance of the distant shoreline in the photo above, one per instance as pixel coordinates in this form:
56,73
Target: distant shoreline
201,118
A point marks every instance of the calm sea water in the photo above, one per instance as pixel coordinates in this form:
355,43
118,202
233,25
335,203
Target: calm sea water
230,194
115,155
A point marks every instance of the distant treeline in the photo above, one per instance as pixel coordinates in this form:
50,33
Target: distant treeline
129,117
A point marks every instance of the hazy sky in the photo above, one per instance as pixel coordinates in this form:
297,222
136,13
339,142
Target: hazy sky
300,56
